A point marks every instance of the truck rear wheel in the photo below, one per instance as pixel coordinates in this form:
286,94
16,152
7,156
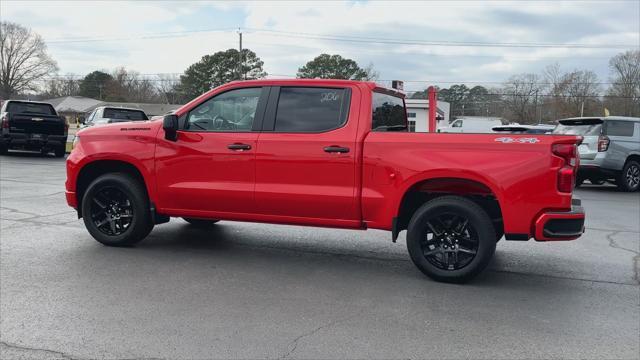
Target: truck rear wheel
201,223
115,209
451,239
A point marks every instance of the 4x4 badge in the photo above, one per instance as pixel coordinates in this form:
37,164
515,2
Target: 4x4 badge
508,140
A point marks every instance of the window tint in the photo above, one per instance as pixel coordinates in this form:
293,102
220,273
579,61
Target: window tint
116,114
30,108
619,128
311,109
457,123
388,113
230,111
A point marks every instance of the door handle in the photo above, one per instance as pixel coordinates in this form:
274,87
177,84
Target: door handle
239,147
336,149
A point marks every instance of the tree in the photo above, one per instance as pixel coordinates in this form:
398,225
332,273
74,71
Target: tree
67,85
575,93
94,85
521,96
23,59
220,68
623,97
129,86
169,89
327,66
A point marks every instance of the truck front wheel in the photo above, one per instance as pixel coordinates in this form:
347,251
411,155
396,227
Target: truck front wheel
451,239
115,209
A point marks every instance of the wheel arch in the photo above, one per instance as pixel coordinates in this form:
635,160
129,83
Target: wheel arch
92,170
427,188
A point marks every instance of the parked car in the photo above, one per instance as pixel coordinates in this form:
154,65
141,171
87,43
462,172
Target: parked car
524,129
109,114
610,150
30,125
472,125
330,153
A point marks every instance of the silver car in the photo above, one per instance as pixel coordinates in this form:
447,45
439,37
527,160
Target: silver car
610,150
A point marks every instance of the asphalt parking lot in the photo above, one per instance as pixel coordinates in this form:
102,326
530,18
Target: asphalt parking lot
246,290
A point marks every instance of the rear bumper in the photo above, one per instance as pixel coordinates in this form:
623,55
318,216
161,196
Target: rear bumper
25,140
558,226
595,172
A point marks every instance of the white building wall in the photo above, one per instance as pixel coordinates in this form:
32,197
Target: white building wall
418,113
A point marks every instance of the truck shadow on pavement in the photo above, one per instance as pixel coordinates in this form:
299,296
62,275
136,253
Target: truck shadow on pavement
265,250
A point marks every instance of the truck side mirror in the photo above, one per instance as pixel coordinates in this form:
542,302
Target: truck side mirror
170,126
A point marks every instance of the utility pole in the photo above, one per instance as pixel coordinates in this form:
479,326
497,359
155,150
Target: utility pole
535,113
240,72
582,109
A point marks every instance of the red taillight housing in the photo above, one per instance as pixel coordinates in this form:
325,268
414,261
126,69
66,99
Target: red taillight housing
567,173
603,143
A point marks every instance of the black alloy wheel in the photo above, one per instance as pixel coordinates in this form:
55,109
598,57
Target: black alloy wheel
451,239
111,211
450,242
116,211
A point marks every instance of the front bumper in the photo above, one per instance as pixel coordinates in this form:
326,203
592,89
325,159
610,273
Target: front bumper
558,226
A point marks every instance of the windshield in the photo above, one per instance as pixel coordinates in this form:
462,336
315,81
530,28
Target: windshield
124,114
388,113
583,130
30,108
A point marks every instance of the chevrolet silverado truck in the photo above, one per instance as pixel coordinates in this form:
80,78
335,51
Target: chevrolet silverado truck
329,153
31,125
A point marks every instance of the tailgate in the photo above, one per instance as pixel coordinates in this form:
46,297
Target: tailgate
588,149
37,124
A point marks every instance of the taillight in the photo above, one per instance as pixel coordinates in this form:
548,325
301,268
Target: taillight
603,143
567,173
5,121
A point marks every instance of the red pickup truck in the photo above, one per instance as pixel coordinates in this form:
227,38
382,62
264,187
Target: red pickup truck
329,153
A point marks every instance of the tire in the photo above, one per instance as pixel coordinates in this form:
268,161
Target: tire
473,244
60,151
4,150
629,178
579,182
125,198
201,223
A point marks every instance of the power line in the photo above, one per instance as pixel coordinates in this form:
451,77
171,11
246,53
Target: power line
354,39
396,41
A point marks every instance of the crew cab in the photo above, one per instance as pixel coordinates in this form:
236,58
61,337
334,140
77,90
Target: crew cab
330,153
31,125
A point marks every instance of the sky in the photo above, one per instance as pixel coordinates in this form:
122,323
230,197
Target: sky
421,42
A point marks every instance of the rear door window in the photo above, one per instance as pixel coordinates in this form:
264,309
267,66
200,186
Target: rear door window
619,128
388,113
311,109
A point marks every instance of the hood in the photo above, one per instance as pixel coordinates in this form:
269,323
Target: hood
123,128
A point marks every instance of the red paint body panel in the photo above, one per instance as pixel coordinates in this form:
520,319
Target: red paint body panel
288,178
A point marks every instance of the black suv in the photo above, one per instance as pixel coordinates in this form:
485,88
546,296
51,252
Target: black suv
32,125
